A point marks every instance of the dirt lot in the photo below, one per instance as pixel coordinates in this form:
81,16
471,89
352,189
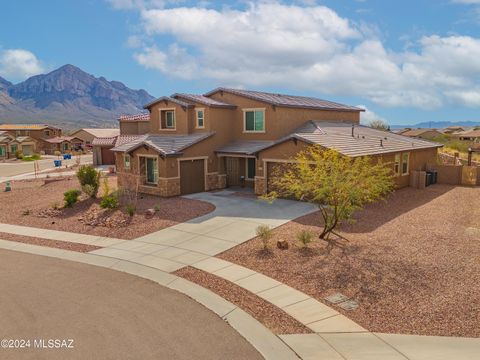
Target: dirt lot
31,203
413,262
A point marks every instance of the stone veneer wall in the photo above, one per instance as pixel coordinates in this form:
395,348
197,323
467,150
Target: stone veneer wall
216,181
260,185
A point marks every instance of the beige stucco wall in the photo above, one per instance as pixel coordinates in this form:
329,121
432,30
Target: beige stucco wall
134,127
279,121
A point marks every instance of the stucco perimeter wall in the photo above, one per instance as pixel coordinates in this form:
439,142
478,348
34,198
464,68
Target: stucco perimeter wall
279,121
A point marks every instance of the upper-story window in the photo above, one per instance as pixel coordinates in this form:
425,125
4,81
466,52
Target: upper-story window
167,119
47,132
254,120
200,118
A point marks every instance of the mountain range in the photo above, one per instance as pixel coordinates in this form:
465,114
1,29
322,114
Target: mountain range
438,124
70,98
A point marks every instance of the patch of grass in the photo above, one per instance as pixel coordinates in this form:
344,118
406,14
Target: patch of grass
31,158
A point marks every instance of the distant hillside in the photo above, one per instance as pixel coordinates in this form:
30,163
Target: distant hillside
69,97
437,124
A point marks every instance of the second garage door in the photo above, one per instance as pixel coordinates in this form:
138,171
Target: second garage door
192,176
108,157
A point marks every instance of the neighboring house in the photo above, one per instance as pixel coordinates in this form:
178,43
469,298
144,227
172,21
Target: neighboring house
63,144
39,133
10,144
421,133
231,137
102,148
454,129
469,135
87,135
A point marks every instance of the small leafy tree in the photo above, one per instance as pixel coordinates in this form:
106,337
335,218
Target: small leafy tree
338,185
89,179
379,124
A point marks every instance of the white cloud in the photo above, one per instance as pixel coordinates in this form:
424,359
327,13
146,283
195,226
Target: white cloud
19,64
368,116
307,48
468,2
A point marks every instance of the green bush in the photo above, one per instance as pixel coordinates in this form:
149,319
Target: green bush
156,208
70,197
110,201
19,154
305,237
265,234
130,209
89,179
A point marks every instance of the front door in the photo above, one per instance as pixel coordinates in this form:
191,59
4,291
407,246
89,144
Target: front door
152,171
232,165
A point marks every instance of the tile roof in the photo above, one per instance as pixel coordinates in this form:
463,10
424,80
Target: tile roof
100,132
164,144
247,147
287,100
203,100
168,99
125,139
26,126
21,139
104,141
417,132
137,117
365,141
468,133
60,139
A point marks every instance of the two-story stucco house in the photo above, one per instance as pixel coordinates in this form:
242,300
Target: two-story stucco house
227,137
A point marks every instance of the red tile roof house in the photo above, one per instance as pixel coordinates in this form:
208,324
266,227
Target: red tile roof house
230,137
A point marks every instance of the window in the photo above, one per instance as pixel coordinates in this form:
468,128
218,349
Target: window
254,120
200,118
2,151
169,119
152,171
250,168
405,161
65,146
47,133
126,161
13,148
396,165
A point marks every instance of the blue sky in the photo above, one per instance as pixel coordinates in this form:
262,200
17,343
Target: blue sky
406,62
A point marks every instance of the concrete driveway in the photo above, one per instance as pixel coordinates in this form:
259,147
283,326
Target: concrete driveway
108,314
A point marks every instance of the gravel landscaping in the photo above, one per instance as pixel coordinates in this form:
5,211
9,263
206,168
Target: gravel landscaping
275,319
36,204
411,262
64,245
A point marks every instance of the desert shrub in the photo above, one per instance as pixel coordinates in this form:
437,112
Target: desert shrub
89,179
156,208
110,201
19,154
55,205
265,234
57,153
26,212
130,209
305,237
70,197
